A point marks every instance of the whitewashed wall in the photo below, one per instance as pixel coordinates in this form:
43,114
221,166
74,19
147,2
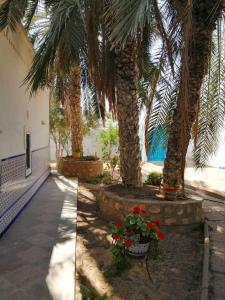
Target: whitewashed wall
17,110
19,114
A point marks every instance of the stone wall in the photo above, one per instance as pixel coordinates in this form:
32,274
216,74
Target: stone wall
112,207
79,168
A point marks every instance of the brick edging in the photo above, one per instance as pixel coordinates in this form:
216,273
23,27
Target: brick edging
205,268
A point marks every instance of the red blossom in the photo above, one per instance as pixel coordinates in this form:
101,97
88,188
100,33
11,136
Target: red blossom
137,210
119,224
128,242
149,225
158,223
160,235
117,237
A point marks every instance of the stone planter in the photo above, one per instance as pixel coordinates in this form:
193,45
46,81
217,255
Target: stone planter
113,207
139,250
83,169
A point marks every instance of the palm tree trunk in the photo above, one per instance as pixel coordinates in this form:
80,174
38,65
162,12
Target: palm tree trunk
128,115
74,111
203,23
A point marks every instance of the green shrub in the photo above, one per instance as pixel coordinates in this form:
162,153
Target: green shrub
154,178
104,178
88,294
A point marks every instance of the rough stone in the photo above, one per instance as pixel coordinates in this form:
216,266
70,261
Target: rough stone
113,207
185,221
170,221
81,169
180,211
154,209
169,210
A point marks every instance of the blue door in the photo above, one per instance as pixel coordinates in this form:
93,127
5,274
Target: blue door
158,145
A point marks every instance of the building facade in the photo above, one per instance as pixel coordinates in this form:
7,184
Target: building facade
24,129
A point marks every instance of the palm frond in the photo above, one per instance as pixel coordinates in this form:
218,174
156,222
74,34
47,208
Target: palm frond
12,12
65,37
212,103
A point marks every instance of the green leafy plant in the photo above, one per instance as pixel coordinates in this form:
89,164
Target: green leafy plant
154,178
133,229
108,140
104,178
59,130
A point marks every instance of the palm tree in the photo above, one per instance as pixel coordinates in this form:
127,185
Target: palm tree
187,36
58,51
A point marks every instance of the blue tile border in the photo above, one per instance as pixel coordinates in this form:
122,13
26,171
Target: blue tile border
18,155
6,210
11,157
27,203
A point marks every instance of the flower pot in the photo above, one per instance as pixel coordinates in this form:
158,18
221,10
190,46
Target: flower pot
76,154
139,250
171,193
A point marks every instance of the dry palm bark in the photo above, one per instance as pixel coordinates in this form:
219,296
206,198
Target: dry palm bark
203,19
128,114
74,111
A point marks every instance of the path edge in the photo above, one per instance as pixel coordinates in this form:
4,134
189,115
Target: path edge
205,268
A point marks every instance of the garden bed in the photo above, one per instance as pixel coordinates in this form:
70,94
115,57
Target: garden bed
176,274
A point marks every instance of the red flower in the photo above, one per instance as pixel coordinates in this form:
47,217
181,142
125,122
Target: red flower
160,234
117,237
119,224
158,223
128,243
149,225
137,210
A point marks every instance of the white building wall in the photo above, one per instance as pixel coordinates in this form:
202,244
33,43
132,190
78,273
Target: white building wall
17,110
19,113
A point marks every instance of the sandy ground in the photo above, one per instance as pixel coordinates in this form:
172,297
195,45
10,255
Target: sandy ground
176,274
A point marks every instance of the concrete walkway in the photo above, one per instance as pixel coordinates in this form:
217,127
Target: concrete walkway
37,254
215,213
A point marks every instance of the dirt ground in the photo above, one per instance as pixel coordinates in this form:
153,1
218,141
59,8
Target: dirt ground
176,274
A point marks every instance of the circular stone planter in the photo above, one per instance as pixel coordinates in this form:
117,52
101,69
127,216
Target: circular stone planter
83,169
113,207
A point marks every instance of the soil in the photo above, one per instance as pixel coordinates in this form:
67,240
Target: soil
176,274
145,192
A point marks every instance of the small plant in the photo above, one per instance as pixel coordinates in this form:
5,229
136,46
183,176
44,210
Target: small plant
134,229
154,178
105,178
88,294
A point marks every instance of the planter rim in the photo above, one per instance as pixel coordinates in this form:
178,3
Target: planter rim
148,201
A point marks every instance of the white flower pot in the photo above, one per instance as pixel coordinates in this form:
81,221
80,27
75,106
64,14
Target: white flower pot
139,250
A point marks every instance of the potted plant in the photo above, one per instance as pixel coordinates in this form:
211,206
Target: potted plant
77,153
133,234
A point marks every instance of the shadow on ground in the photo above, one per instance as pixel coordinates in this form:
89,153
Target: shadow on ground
176,274
37,252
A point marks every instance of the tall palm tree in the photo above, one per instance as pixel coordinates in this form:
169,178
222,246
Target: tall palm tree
58,51
187,36
197,32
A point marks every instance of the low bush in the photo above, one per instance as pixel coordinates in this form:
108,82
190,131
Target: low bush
154,178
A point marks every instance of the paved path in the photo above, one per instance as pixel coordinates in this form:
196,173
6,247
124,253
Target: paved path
37,254
215,213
